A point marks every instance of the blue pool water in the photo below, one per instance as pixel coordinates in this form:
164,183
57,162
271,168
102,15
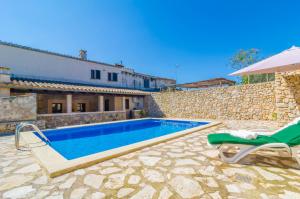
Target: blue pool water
86,140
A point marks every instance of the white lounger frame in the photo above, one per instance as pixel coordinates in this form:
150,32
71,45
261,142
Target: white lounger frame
247,149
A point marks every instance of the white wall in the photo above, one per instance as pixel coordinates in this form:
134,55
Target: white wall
37,64
28,63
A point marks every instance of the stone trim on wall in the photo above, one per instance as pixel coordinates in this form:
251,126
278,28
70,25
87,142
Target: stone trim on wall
18,108
67,119
241,102
10,127
287,90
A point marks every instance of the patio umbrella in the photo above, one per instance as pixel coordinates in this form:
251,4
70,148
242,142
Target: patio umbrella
285,61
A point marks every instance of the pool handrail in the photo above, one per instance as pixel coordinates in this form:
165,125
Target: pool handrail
25,124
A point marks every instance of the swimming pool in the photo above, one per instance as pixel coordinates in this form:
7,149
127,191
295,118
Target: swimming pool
82,141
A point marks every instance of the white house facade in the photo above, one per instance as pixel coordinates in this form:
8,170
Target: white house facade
29,63
73,90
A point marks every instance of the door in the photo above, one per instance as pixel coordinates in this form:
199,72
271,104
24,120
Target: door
106,105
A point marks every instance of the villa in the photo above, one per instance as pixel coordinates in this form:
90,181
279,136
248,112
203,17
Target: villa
78,148
64,85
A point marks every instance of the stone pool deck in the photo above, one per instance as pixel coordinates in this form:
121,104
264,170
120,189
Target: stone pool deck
182,168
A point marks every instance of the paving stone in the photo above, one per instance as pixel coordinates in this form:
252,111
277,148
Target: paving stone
59,179
146,193
268,175
210,173
106,164
41,194
184,162
93,180
151,153
29,169
209,181
41,180
25,161
5,163
183,170
80,172
234,171
129,171
215,195
56,196
115,181
264,196
78,193
165,193
110,170
211,153
93,168
248,186
186,187
207,171
233,188
153,175
68,184
8,169
166,163
289,194
13,181
97,195
19,192
176,155
124,192
149,160
134,179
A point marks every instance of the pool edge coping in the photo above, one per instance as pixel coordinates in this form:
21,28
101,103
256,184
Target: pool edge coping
55,164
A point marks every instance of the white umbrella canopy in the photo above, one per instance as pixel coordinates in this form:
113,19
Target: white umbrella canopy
288,60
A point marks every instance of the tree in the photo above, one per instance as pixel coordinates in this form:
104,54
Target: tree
244,58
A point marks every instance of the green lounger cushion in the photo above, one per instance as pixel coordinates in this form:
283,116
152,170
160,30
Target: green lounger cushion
289,136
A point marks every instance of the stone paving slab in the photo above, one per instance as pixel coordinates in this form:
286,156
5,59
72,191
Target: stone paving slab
181,168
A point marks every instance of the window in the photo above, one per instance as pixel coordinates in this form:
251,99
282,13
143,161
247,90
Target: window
126,103
113,77
81,107
57,108
95,74
146,83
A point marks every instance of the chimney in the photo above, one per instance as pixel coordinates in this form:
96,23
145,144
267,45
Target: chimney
83,54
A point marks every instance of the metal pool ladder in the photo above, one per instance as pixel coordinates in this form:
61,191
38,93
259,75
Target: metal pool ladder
24,124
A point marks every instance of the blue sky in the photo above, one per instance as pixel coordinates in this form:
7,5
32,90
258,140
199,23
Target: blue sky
156,35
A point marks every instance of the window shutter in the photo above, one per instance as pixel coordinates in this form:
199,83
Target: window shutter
98,74
115,77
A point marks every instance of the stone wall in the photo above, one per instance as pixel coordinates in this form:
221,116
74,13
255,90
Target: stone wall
136,114
67,119
10,127
287,90
18,108
243,102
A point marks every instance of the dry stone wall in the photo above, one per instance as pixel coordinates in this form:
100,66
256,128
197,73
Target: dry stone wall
243,102
18,108
287,90
67,119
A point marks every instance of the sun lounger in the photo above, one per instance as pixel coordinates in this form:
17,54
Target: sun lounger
286,139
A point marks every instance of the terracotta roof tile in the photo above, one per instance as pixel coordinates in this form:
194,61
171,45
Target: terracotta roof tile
24,84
